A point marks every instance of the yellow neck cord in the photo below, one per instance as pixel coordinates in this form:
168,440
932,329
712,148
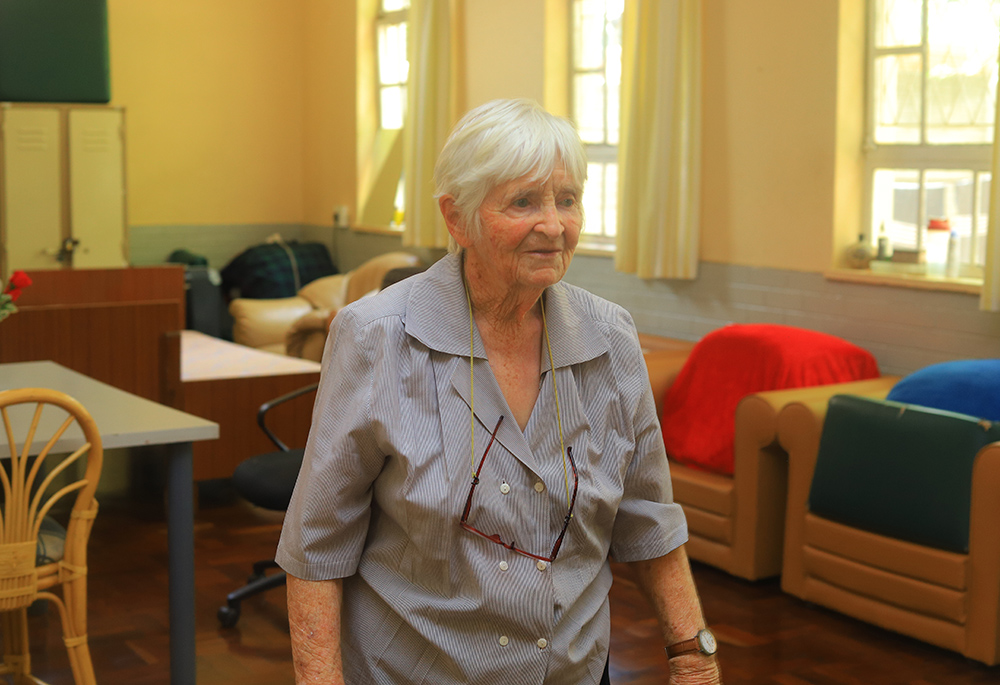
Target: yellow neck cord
472,390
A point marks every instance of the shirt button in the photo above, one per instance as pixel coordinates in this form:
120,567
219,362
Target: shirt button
503,640
539,486
541,565
542,643
504,488
504,566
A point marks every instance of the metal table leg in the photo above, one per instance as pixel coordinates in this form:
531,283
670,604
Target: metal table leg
180,541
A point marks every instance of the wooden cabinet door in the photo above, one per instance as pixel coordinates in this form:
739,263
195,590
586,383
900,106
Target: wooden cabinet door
31,200
97,188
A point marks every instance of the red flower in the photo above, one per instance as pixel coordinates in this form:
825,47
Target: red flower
19,280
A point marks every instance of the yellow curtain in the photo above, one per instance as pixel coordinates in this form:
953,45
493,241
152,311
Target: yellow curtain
659,152
989,299
433,100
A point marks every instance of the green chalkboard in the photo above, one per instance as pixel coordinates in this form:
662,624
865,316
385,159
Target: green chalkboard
54,51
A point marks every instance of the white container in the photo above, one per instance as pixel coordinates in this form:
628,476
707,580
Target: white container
936,246
951,269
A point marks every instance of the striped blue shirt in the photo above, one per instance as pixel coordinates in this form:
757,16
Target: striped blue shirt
387,472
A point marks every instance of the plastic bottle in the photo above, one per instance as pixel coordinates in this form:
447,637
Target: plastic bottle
884,244
936,244
951,265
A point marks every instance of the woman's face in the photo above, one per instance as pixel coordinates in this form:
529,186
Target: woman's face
530,229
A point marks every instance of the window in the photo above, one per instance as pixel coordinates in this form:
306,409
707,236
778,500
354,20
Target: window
596,84
393,67
932,83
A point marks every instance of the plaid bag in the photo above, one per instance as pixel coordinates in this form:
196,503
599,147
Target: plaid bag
273,270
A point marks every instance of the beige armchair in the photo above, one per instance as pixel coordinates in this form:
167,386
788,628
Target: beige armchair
297,325
892,519
736,523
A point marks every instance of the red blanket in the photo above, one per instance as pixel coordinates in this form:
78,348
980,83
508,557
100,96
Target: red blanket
740,359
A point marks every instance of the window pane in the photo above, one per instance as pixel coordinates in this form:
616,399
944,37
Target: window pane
588,107
399,203
897,98
962,71
392,64
393,5
897,23
610,200
588,48
982,220
393,105
896,205
593,200
613,72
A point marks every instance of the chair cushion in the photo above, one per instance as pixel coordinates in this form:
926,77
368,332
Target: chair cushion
732,362
898,470
263,324
267,480
369,275
307,336
329,292
969,386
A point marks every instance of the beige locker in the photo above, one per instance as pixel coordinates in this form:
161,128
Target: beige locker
62,187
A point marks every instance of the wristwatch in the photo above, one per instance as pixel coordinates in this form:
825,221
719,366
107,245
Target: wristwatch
703,642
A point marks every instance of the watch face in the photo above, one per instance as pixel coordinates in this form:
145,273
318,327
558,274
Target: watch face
706,642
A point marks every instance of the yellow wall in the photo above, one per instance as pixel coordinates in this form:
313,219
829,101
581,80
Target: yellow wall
505,50
245,111
769,133
214,98
330,175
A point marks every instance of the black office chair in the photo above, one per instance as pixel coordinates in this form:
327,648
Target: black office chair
265,480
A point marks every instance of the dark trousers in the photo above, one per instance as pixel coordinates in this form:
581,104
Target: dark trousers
606,678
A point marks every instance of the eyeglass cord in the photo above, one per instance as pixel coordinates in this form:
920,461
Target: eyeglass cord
472,389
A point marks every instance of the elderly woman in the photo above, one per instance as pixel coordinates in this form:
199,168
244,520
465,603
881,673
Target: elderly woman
484,438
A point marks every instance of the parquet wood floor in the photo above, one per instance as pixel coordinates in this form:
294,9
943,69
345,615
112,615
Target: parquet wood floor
766,637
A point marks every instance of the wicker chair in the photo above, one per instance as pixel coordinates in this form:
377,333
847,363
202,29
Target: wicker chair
32,485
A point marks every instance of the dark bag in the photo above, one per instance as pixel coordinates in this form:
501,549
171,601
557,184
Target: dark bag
277,269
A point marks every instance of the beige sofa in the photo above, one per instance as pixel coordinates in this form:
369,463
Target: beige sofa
297,325
736,523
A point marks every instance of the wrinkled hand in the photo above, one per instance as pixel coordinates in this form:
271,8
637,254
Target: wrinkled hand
695,669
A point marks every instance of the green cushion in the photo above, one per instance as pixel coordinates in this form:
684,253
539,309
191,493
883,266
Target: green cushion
898,470
54,51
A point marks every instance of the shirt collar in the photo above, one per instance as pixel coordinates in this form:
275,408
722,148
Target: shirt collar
437,314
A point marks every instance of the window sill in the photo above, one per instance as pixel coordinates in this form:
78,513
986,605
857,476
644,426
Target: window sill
378,230
592,249
917,281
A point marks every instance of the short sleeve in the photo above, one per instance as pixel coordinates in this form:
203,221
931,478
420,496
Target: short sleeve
649,523
327,520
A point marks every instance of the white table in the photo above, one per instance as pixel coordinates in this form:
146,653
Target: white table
126,420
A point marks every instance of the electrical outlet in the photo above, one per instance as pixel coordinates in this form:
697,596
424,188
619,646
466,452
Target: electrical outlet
341,217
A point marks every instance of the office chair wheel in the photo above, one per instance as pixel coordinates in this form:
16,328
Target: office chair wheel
229,615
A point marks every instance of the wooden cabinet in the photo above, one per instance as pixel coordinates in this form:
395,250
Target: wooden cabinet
62,187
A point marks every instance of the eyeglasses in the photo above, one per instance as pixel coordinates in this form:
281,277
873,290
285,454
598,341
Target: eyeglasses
496,537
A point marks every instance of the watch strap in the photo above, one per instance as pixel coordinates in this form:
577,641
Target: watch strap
683,647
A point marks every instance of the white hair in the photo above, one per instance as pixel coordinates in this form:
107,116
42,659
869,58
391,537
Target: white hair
498,142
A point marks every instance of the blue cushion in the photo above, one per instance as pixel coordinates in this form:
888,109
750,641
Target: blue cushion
968,387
